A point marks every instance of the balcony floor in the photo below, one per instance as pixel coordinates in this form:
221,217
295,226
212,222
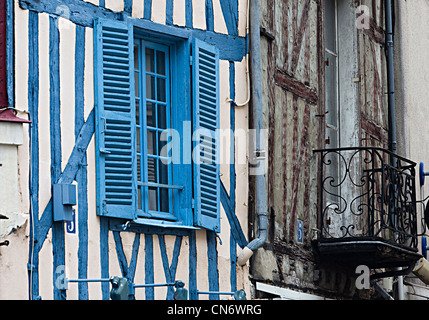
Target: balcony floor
372,252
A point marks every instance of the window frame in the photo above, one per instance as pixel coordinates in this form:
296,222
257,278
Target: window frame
332,101
348,114
347,64
142,128
195,63
333,120
181,112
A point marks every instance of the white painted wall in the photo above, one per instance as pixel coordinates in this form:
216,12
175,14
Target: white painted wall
11,136
412,95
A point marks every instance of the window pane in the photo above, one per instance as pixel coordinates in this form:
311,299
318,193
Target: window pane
136,58
160,62
331,91
162,144
164,200
139,195
161,89
139,174
163,173
151,142
162,117
137,112
137,84
150,60
153,199
330,25
152,170
150,87
150,109
138,139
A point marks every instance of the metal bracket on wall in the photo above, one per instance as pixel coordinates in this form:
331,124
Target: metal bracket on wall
4,243
237,295
422,174
180,294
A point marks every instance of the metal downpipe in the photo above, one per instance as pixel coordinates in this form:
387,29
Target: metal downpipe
259,153
390,75
391,101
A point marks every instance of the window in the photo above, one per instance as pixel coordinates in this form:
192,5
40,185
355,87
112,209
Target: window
332,100
151,88
331,74
153,114
341,72
343,113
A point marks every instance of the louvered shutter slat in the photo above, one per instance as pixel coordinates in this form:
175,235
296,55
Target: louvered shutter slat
206,121
115,126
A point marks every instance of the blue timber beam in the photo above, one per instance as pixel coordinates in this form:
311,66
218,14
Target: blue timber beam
69,173
81,12
230,14
236,230
46,221
231,47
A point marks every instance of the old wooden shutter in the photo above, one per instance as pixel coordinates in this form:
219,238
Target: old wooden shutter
205,64
115,119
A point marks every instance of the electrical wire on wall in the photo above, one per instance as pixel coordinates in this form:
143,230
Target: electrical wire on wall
32,229
229,100
17,110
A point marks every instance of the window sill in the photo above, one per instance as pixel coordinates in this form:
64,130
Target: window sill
151,226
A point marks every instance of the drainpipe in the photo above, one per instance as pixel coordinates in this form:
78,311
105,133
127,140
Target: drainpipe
390,75
391,102
259,153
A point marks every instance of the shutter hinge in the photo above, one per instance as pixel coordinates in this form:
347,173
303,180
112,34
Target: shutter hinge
190,60
193,203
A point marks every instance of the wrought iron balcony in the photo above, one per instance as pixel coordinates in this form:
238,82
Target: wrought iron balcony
367,207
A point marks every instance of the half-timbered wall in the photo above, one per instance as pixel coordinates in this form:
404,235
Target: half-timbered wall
373,81
54,81
293,54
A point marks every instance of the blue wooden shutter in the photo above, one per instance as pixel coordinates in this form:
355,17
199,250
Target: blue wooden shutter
115,119
205,64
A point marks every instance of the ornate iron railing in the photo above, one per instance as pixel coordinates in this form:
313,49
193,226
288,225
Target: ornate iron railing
367,192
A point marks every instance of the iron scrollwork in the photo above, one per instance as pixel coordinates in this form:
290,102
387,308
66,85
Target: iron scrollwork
367,192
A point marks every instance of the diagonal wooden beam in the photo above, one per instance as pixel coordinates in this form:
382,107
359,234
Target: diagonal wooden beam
170,270
69,173
296,87
133,263
236,230
230,15
122,259
300,36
